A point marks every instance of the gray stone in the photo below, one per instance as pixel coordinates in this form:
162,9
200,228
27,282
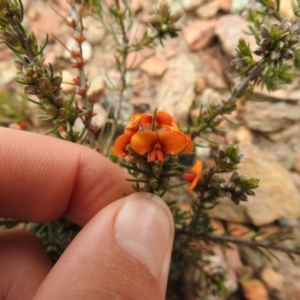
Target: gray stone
176,89
277,196
270,117
229,29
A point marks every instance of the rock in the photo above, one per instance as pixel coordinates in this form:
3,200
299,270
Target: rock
272,279
269,116
218,226
32,14
199,34
285,135
154,66
134,59
217,262
67,84
239,230
233,258
296,180
254,289
96,86
141,104
94,32
7,72
283,151
290,274
209,9
200,84
213,71
286,9
277,196
296,165
229,29
137,31
244,135
210,97
136,5
225,5
203,152
190,4
98,120
176,90
45,20
87,49
100,116
238,5
5,53
278,95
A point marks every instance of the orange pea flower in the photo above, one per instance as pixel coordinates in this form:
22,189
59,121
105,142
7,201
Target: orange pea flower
162,119
194,177
157,143
165,138
133,125
120,145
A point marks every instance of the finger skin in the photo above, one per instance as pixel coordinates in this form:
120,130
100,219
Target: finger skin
94,266
43,178
23,264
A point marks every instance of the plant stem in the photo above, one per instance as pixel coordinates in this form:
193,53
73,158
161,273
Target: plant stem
124,47
252,243
78,31
238,91
270,245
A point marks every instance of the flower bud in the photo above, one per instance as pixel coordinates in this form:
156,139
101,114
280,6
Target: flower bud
288,54
242,197
155,21
30,90
177,16
156,169
57,80
286,25
265,42
280,45
44,83
259,52
164,27
275,55
32,41
265,31
295,39
19,64
164,8
250,193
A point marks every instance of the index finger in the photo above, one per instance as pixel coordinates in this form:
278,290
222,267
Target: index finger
43,178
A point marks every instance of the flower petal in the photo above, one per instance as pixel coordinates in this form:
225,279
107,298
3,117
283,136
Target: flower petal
121,143
197,168
143,141
172,141
190,145
163,118
175,127
194,183
156,154
189,177
133,125
146,120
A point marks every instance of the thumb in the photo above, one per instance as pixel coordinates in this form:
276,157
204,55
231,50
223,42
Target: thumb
122,253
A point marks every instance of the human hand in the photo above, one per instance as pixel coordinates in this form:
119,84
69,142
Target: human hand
124,248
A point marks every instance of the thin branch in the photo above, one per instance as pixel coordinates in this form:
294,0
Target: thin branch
238,91
270,245
83,85
124,46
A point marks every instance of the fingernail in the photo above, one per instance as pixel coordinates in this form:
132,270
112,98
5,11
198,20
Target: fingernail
143,229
